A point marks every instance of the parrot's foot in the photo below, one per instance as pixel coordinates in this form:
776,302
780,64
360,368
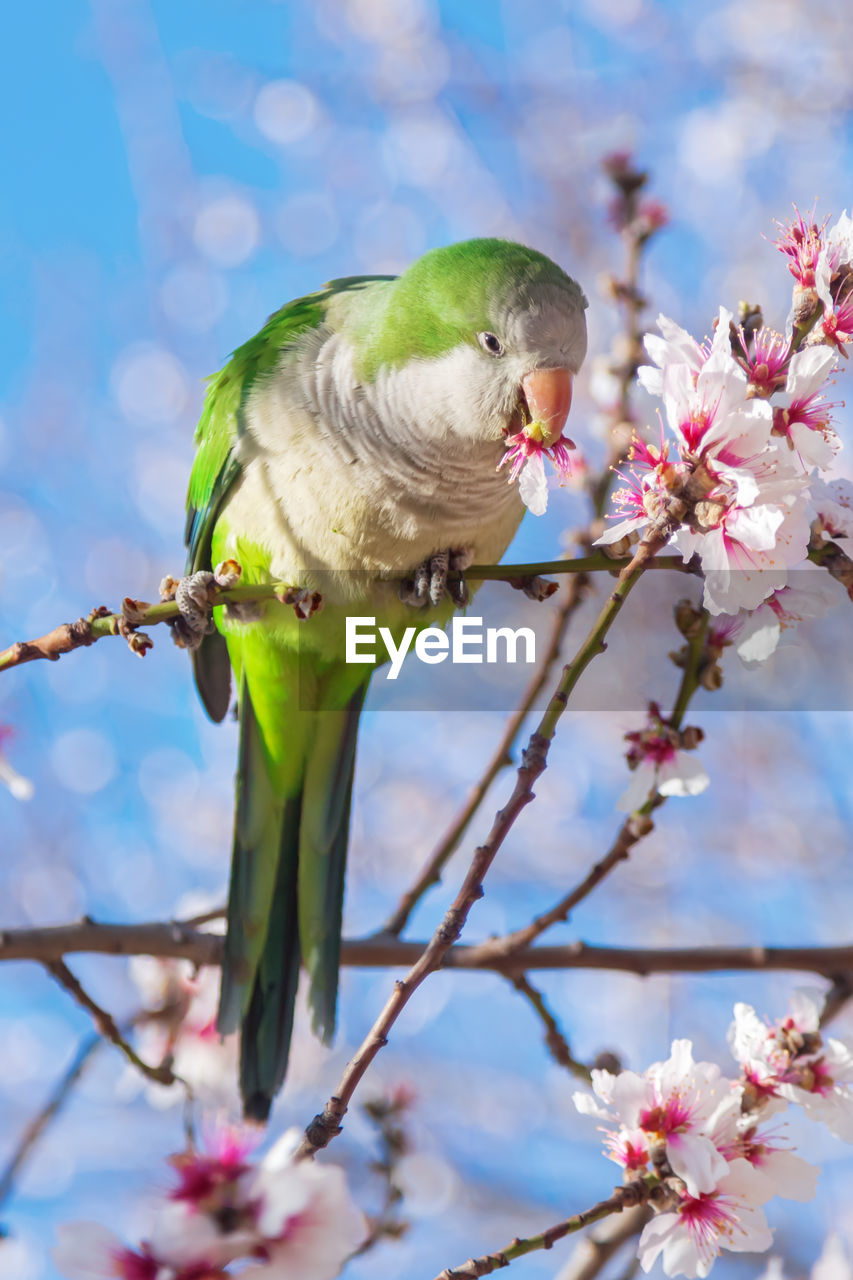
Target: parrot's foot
431,581
195,597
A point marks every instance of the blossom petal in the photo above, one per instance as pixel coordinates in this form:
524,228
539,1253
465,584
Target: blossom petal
532,485
683,776
696,1160
86,1251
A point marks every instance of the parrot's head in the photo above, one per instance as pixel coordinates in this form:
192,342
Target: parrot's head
481,338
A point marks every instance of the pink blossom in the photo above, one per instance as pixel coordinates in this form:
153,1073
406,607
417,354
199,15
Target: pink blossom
833,510
786,1174
676,346
745,514
792,1061
801,413
307,1217
290,1221
755,634
181,1003
727,1217
670,1103
659,764
649,483
526,452
837,323
801,242
833,282
88,1251
765,360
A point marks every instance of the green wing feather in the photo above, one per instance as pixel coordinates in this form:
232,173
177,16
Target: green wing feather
217,465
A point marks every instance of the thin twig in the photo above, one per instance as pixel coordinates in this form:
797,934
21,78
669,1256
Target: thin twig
594,1250
839,994
137,613
325,1126
558,1045
635,827
106,1024
640,1191
501,758
39,1123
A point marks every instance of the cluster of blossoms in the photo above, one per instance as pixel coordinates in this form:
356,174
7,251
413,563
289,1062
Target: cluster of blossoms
749,423
734,480
287,1220
709,1147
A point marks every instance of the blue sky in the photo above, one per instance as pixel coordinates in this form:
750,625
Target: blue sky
174,172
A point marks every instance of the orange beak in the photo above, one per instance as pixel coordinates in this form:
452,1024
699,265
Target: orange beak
548,393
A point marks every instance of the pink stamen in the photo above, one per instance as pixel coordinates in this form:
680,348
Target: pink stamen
520,447
801,243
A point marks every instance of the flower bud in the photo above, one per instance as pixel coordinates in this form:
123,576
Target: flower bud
227,574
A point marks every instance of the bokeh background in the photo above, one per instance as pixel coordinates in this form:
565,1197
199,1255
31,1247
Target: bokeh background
173,171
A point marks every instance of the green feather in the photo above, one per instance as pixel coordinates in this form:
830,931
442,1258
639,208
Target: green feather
446,298
323,837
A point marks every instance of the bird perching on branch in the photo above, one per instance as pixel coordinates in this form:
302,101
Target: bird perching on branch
356,439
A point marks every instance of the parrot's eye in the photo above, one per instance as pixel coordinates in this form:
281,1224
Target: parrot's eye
491,342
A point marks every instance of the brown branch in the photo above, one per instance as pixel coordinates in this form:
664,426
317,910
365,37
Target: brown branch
137,613
325,1126
635,827
558,1045
594,1250
106,1024
501,758
169,939
638,1192
174,940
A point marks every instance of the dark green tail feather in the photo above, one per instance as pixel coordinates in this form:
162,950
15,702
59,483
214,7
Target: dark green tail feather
268,1025
323,840
301,905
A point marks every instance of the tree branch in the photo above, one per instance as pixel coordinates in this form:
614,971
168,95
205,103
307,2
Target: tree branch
558,1045
325,1126
171,939
106,1024
137,613
640,1191
501,758
635,827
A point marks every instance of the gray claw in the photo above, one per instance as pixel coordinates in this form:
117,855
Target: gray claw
193,598
458,590
431,581
438,566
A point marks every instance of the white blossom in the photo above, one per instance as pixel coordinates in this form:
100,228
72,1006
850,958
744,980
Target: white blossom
691,1237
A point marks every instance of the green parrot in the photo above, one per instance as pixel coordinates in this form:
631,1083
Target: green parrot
353,442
